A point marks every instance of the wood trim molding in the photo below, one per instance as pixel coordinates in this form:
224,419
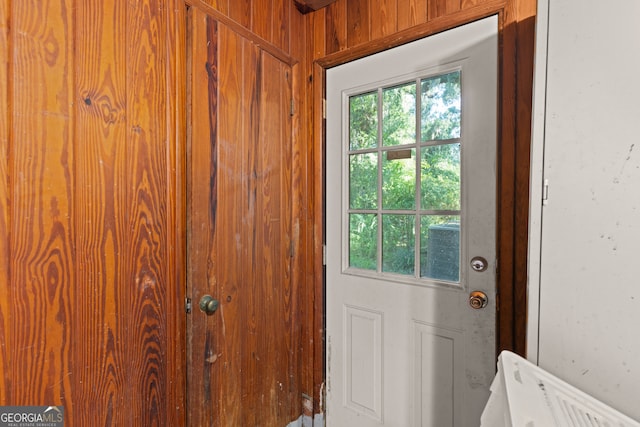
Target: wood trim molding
244,32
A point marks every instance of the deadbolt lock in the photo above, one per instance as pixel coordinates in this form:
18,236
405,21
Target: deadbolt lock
478,263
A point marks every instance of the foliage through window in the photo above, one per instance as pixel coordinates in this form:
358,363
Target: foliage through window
404,171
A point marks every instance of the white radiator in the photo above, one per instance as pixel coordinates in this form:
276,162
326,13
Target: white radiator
524,395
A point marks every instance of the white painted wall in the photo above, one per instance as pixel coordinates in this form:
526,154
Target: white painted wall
585,242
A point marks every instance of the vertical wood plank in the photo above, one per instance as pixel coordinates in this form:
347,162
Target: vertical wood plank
261,14
281,23
438,8
202,71
5,250
146,256
336,26
384,18
411,13
101,210
358,22
273,237
176,80
317,23
230,252
240,11
302,311
42,245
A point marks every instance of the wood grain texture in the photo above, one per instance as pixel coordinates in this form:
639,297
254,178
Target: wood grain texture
244,31
336,32
384,17
358,23
42,219
176,79
5,250
438,8
101,207
301,276
84,224
199,230
240,12
243,358
145,267
270,20
411,12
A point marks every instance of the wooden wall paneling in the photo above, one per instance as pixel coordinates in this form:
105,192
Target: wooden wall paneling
301,192
336,26
438,8
411,12
261,18
147,272
273,199
233,255
176,80
317,37
383,17
259,40
358,23
316,48
281,23
221,6
240,12
101,210
5,250
42,217
201,102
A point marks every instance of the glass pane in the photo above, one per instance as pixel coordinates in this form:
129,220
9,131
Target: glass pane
363,181
363,121
440,177
440,247
398,244
399,115
399,179
363,237
440,107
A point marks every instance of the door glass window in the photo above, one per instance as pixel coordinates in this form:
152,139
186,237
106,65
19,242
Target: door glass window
404,178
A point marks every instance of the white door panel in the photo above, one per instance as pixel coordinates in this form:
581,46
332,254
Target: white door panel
404,349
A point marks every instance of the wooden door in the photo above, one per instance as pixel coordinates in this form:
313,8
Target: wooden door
242,359
411,152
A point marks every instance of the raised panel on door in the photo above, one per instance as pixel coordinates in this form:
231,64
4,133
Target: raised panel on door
242,358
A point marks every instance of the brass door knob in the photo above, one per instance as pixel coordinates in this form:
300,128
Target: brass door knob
478,300
208,304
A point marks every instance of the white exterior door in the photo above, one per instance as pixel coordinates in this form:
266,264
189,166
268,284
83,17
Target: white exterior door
411,185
